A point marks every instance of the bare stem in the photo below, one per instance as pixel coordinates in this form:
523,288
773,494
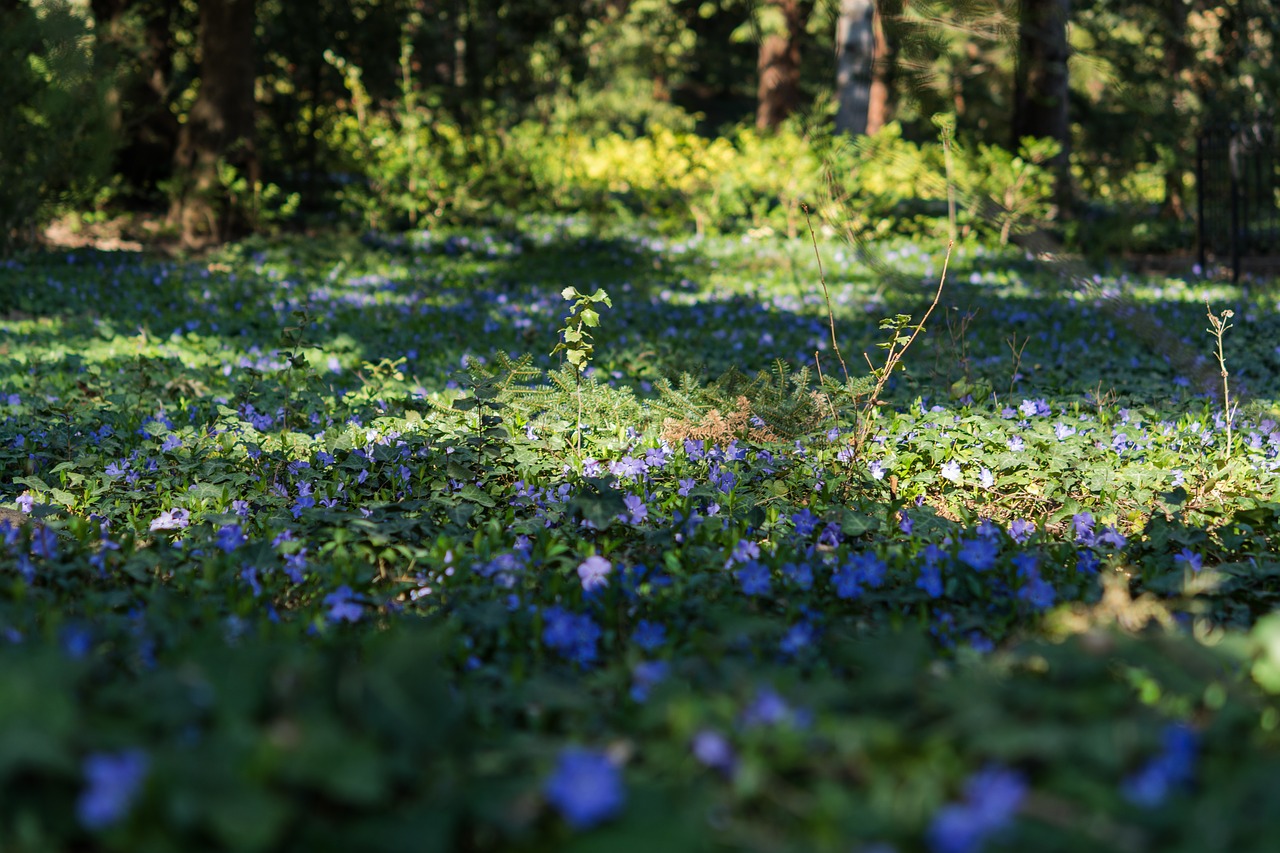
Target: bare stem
822,385
1219,326
822,277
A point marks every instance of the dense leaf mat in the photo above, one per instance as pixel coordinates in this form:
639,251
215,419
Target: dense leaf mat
306,548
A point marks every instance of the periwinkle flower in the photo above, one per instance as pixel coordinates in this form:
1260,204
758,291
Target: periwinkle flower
586,788
754,578
649,636
992,798
713,750
978,554
343,606
171,519
112,784
594,572
1189,559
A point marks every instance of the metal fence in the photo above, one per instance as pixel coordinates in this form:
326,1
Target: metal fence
1238,191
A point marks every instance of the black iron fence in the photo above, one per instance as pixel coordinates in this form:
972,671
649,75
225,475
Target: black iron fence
1238,191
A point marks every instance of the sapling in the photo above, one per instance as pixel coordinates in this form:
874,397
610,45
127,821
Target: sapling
576,341
1218,326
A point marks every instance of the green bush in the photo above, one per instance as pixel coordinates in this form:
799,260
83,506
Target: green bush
57,143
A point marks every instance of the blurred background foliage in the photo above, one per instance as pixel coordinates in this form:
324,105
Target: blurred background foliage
704,114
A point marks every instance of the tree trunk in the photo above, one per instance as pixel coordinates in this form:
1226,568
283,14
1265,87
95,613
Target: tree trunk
855,59
778,94
1041,94
219,130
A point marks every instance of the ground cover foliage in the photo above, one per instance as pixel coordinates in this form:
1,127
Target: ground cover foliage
308,549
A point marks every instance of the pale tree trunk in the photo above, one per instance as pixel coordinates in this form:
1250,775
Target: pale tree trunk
862,69
1041,95
218,130
778,93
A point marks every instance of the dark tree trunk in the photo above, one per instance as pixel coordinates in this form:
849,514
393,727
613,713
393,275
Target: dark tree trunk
1041,95
219,130
778,94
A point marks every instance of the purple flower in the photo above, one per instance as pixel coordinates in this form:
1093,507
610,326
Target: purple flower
713,750
767,709
171,519
627,466
636,509
951,471
1083,524
1020,530
112,783
1111,536
686,486
171,443
342,605
744,551
26,502
905,524
230,538
586,788
594,572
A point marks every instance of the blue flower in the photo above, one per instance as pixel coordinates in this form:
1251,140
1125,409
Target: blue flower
805,522
586,788
800,574
991,799
1189,559
573,636
1172,767
342,605
798,637
978,554
649,636
930,580
645,675
754,578
112,782
847,581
